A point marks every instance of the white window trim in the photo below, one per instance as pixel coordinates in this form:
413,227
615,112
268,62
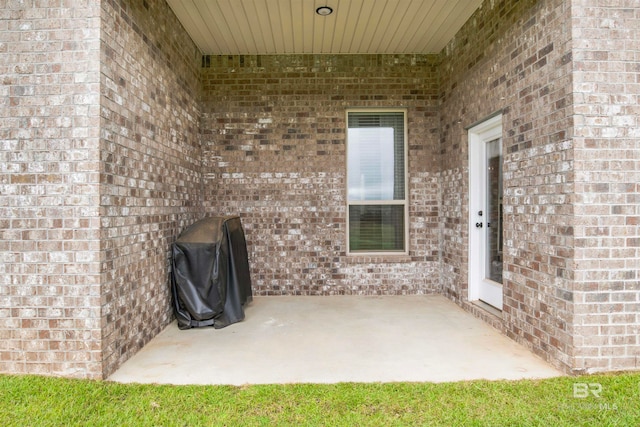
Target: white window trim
404,202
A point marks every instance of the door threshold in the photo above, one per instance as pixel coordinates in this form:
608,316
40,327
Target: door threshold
488,308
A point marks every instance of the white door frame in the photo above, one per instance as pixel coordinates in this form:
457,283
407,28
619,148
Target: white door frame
479,287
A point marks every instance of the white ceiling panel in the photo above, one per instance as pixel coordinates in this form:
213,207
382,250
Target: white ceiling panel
227,27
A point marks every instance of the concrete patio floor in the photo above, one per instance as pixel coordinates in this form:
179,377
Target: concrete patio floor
336,339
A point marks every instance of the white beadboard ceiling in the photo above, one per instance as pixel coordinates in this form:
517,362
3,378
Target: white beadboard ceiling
225,27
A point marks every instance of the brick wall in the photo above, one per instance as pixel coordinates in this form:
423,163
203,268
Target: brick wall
150,155
100,161
606,59
515,56
49,178
274,153
566,77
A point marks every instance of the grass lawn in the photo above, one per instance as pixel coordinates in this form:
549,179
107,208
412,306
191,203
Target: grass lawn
44,401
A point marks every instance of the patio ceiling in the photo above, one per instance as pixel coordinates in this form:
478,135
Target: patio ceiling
226,27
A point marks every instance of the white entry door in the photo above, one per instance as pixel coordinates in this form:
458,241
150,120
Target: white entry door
485,212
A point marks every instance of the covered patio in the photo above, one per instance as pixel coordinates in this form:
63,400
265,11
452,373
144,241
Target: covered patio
125,121
336,339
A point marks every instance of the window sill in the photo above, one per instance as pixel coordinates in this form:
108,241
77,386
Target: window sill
377,259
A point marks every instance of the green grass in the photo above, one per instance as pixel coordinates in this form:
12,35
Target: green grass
44,401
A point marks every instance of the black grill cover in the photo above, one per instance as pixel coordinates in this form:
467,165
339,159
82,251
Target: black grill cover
210,279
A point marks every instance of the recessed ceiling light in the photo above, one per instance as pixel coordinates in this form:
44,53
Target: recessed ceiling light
324,11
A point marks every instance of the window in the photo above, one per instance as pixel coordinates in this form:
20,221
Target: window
376,181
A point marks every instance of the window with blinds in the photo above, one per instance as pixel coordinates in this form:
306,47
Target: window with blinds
376,181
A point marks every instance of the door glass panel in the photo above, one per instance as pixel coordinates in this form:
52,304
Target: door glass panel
493,255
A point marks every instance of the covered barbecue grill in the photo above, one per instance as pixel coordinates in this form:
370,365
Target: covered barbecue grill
210,273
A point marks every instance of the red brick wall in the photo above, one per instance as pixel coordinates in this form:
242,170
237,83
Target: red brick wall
274,152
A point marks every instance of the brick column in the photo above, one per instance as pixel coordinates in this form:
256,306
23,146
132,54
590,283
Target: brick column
607,174
49,181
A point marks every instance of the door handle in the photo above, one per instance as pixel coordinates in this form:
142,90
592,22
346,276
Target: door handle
478,225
